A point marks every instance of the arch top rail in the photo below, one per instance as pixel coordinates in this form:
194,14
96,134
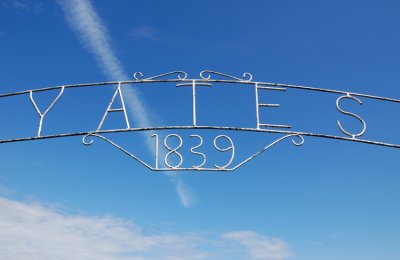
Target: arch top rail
206,76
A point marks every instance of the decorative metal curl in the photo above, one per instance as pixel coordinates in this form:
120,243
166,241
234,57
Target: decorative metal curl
206,75
298,143
90,141
180,74
138,75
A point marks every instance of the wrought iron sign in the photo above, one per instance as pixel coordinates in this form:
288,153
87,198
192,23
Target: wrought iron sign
168,148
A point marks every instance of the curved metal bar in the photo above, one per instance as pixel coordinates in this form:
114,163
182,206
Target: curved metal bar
139,76
227,128
90,142
205,77
270,145
203,74
333,91
192,169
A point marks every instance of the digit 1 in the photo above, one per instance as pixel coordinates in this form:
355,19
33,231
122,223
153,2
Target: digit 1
156,136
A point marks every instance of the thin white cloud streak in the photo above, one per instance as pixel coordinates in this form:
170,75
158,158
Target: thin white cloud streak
185,193
22,7
89,28
91,31
260,247
30,230
147,33
144,32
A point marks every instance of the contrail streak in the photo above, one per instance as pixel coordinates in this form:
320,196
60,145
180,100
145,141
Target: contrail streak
92,33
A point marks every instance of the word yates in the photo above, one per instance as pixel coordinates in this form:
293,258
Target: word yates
119,98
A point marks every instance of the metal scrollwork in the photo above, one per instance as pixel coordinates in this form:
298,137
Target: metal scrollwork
206,75
298,143
138,75
85,137
181,75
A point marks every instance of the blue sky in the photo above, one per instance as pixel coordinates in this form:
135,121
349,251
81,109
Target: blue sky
323,200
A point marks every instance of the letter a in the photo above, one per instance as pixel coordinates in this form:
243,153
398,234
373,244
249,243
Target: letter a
109,109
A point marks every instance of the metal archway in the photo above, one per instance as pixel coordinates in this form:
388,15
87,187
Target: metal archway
207,78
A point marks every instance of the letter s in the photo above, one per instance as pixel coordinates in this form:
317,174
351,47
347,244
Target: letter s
350,114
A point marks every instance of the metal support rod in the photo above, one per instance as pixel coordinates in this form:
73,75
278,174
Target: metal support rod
194,102
257,107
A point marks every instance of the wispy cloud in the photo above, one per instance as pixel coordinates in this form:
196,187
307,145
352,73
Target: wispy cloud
25,6
260,247
147,33
185,193
33,231
153,35
93,34
30,230
91,31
